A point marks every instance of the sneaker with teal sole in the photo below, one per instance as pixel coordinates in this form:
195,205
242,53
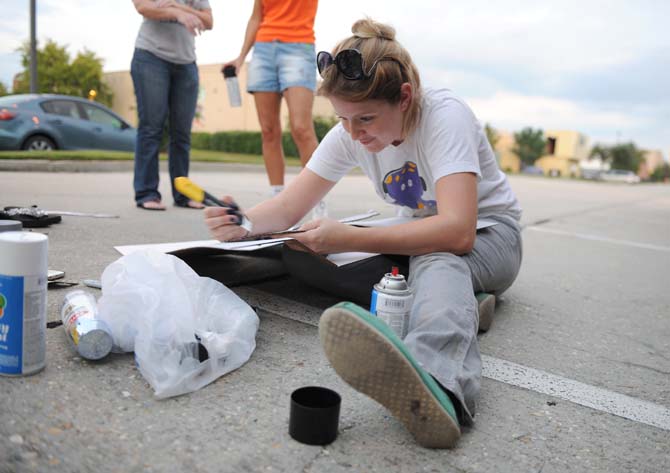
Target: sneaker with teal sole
371,358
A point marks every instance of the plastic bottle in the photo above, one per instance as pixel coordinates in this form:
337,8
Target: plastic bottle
233,86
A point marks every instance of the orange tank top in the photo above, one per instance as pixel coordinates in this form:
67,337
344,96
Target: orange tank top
289,21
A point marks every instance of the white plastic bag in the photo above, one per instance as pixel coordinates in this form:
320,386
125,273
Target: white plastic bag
158,307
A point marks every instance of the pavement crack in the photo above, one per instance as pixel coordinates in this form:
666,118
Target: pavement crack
323,452
643,343
284,316
639,365
586,211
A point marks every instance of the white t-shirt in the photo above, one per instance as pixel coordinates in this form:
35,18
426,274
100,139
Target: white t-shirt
447,140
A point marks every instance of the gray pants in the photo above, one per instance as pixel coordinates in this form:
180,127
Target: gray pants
443,325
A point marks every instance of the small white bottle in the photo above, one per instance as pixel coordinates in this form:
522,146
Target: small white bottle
233,86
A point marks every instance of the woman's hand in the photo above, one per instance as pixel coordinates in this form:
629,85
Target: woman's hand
326,236
223,223
190,21
237,63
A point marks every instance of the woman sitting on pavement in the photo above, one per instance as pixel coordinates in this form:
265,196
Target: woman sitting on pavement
424,151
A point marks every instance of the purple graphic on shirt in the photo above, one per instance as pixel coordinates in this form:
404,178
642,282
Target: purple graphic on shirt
405,187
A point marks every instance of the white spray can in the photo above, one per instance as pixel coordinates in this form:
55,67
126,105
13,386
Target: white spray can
89,335
392,301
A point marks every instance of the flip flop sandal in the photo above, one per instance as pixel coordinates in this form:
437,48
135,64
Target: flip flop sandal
30,217
370,357
143,205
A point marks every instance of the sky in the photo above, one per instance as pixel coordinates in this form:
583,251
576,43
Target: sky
598,67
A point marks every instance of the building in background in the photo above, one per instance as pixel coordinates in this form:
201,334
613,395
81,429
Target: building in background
651,160
213,112
508,161
565,150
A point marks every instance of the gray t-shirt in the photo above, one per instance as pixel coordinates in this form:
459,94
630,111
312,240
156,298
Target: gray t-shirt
170,40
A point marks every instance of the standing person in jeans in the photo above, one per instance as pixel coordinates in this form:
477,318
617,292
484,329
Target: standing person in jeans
165,77
283,65
425,151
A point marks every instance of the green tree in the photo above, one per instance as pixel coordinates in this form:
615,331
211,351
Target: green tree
529,145
322,125
661,173
626,156
491,135
3,90
602,152
56,74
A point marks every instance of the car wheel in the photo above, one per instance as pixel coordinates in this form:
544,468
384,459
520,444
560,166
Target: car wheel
39,143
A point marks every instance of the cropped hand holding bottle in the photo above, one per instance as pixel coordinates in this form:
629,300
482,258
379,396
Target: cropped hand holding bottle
232,85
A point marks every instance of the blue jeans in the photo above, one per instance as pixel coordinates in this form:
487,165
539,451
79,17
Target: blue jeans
163,89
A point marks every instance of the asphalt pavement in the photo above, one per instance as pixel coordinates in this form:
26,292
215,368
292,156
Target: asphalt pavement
576,364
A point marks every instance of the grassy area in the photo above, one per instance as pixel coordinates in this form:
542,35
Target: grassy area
100,155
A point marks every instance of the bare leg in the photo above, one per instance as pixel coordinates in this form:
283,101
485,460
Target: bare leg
267,107
299,101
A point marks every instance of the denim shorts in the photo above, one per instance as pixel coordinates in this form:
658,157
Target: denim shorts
276,66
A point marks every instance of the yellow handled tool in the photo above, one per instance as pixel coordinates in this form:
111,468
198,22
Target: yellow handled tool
193,191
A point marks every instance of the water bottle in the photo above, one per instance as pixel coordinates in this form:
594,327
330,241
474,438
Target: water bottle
233,86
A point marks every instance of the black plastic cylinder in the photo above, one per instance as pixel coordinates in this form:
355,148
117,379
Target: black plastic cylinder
314,415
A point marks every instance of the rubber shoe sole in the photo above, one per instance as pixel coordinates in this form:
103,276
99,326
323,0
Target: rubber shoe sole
368,355
487,306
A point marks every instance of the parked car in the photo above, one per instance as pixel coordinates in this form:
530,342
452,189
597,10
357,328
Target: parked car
534,170
620,175
46,122
591,174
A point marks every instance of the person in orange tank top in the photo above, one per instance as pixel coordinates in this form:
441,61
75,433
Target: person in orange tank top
283,64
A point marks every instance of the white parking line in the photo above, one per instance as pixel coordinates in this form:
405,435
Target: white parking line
574,391
584,236
499,370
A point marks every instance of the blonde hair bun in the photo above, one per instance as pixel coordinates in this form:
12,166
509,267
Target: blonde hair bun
367,28
386,66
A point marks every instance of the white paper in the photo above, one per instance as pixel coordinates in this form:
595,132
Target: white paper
167,247
340,259
183,245
247,245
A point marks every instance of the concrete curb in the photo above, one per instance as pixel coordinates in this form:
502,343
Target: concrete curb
43,165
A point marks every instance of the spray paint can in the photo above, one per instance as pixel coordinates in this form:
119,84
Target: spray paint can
392,301
233,86
23,302
90,336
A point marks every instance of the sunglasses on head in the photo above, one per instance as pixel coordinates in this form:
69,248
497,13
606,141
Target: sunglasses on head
349,62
